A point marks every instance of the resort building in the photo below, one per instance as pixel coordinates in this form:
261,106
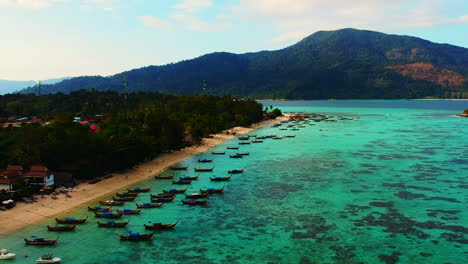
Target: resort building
10,176
39,175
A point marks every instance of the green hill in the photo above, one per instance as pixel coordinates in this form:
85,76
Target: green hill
342,64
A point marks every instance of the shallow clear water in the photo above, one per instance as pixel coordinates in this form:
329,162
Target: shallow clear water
388,187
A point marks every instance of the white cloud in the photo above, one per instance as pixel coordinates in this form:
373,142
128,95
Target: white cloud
154,22
30,4
464,19
193,5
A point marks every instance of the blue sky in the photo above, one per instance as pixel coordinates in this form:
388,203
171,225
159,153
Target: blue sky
44,39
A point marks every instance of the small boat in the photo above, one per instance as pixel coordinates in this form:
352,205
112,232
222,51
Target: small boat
212,190
227,178
235,171
49,258
236,156
41,242
128,211
162,200
178,168
108,215
124,199
111,202
149,205
218,153
127,194
139,190
4,254
244,138
195,202
244,143
196,195
61,228
278,137
176,191
290,136
162,195
99,209
201,169
182,182
159,177
160,226
232,147
243,154
71,220
283,129
113,224
135,236
189,178
205,160
257,141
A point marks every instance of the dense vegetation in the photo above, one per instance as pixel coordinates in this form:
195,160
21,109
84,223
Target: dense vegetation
134,130
343,64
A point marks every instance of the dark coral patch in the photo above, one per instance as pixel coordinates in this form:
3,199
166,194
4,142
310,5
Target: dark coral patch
408,195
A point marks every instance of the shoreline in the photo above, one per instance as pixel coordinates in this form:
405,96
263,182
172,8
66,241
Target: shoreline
24,215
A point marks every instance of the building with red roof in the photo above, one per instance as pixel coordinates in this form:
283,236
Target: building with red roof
10,176
39,175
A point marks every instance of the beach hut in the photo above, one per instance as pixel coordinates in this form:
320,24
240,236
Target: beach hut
10,176
39,175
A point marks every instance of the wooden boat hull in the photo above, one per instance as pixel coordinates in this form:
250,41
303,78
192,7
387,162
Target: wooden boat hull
219,190
196,195
162,195
218,153
71,222
204,169
148,206
139,190
115,203
61,228
220,178
41,242
99,209
113,225
136,238
129,212
109,216
236,171
182,182
176,191
194,202
160,226
162,200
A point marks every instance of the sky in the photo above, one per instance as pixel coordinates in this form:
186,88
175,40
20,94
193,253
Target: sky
42,39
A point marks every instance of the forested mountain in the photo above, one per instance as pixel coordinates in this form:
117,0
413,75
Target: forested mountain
342,64
15,86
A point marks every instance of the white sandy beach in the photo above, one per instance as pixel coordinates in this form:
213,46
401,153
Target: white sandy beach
46,208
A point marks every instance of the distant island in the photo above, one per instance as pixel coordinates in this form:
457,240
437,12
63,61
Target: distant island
342,64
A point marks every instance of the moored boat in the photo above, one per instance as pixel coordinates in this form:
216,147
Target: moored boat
113,224
232,147
49,258
139,190
218,153
135,236
159,177
201,169
195,202
244,138
235,171
189,178
243,154
179,168
205,160
176,191
99,209
244,143
162,200
4,254
227,178
149,205
110,202
127,194
160,226
196,195
212,190
108,215
70,220
124,199
61,228
257,141
40,241
236,156
128,211
182,182
162,195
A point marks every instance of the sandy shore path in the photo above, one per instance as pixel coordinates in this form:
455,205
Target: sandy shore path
46,208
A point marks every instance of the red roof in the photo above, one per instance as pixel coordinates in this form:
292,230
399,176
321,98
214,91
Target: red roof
38,168
14,168
8,179
37,171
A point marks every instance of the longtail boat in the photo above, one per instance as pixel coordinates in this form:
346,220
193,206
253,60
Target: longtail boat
99,209
196,195
178,168
194,202
124,199
235,171
128,211
135,236
61,228
108,215
212,190
113,224
244,138
190,178
162,200
41,242
182,182
227,178
243,154
176,191
257,141
71,220
127,194
232,147
205,160
244,143
236,156
201,169
290,136
112,203
149,205
159,177
139,190
160,226
162,195
278,137
218,153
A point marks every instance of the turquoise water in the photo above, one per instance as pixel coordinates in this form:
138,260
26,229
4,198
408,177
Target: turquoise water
388,187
